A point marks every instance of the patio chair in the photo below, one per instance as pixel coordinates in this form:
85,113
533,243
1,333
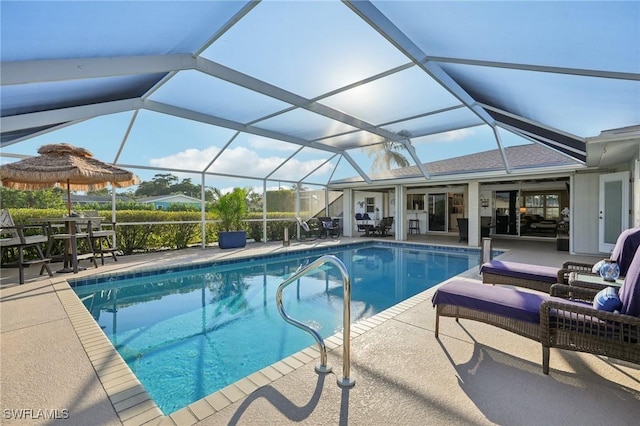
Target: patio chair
14,236
572,318
383,227
102,235
463,229
306,231
329,227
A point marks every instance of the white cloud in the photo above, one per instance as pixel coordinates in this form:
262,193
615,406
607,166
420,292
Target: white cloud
272,144
239,161
451,136
190,159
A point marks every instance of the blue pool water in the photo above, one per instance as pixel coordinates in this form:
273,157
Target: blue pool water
187,333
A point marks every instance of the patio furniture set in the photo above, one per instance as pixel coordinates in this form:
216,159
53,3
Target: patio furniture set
27,241
571,308
372,227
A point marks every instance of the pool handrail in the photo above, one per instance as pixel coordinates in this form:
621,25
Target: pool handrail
345,381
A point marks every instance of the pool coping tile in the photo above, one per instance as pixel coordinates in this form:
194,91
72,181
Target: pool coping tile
201,409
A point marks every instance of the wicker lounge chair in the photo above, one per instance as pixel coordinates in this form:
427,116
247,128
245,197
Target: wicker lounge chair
542,277
535,277
565,319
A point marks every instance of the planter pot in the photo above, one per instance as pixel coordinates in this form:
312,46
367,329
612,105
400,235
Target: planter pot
232,239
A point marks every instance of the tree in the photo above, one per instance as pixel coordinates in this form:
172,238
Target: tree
187,188
215,194
388,152
102,191
159,185
42,199
255,201
298,186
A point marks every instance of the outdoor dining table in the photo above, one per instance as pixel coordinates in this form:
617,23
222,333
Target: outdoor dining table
368,225
71,255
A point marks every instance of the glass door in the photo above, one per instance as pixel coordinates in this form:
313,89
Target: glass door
614,209
437,211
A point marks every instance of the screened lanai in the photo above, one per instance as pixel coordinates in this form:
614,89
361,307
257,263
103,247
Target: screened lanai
272,93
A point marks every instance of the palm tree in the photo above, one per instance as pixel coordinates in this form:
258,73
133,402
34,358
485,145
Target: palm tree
298,186
388,152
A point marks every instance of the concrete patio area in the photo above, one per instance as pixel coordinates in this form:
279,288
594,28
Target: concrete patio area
58,368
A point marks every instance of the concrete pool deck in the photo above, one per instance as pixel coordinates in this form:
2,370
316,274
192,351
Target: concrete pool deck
56,362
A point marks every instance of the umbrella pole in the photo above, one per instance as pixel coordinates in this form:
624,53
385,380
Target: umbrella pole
68,198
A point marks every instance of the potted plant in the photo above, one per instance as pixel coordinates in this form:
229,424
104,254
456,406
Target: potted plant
232,208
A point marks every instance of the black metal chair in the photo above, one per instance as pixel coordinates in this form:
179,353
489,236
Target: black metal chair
329,227
383,227
463,229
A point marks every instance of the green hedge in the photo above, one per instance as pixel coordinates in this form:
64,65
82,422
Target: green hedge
151,237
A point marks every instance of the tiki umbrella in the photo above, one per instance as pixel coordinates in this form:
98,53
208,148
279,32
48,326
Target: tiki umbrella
64,165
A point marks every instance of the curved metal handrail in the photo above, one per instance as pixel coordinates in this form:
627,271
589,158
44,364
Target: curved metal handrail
346,381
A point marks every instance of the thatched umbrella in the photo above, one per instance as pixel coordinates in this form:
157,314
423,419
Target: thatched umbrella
64,165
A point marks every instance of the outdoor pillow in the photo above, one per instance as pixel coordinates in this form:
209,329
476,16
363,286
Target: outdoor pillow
597,266
607,300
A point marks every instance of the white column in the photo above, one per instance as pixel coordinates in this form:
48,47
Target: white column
400,221
348,215
473,205
264,211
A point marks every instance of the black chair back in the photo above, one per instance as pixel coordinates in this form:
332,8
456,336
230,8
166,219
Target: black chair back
463,229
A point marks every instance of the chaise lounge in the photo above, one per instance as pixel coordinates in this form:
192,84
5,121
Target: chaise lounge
571,318
541,278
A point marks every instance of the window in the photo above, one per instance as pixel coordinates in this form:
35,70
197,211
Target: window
415,202
370,204
545,205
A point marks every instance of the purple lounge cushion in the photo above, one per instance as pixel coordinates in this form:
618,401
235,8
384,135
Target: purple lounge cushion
626,246
630,291
521,270
504,301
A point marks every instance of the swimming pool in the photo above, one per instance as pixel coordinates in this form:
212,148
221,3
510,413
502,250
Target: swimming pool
190,331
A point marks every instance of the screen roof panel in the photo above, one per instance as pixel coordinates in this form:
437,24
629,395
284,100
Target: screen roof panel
70,29
565,32
305,124
20,99
403,94
202,93
580,105
253,156
309,48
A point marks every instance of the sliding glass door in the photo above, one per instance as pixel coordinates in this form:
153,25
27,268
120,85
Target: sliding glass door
437,210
